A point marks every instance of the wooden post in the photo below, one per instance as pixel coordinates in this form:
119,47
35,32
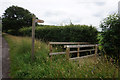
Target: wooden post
34,20
67,53
96,51
78,49
33,36
50,47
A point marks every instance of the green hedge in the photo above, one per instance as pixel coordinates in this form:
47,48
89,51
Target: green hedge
70,33
111,35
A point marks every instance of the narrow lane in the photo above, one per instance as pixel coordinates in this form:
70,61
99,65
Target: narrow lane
5,59
0,56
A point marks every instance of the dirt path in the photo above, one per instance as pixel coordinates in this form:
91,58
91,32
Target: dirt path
5,59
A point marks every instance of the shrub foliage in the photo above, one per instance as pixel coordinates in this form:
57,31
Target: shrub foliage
70,33
111,35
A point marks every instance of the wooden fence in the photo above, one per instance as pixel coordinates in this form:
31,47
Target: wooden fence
70,45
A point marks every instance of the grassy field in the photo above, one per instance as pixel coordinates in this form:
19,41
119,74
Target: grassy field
22,66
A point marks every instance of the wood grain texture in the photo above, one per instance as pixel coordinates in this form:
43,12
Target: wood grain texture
68,43
33,37
57,53
67,53
82,57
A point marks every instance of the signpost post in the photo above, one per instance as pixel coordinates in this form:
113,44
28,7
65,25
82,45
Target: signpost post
34,20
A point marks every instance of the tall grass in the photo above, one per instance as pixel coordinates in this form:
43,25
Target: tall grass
22,66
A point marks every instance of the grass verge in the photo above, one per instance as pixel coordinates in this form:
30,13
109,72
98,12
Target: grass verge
22,67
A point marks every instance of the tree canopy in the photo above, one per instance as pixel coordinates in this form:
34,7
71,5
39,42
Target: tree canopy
15,18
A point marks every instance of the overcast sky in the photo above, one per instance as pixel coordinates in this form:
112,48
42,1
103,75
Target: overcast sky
57,12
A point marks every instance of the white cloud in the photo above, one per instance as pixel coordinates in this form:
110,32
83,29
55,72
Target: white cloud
62,11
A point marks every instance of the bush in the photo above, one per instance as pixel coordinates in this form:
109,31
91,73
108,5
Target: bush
110,36
70,33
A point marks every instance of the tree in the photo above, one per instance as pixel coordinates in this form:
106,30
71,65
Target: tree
111,35
15,18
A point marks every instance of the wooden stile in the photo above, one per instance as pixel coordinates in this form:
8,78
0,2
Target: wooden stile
77,45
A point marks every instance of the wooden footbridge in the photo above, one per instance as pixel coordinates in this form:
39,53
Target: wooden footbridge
71,45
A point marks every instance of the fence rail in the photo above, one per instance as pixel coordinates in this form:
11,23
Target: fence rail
78,46
69,45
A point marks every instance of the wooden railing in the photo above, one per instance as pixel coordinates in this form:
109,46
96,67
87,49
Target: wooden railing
69,45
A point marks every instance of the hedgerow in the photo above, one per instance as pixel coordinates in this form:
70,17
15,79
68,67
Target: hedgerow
70,33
